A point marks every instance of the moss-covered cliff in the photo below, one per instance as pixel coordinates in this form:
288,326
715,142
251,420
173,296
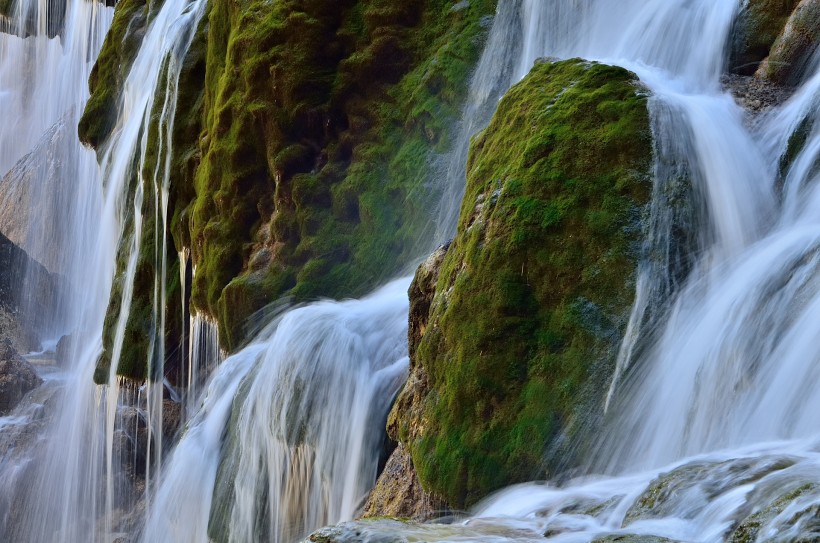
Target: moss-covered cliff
532,297
302,143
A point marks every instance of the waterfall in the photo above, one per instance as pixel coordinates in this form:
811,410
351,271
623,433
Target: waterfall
718,372
726,390
50,197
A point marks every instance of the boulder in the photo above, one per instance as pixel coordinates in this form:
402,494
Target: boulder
794,50
757,26
532,297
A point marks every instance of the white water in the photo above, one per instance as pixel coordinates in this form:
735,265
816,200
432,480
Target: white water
729,361
304,431
734,364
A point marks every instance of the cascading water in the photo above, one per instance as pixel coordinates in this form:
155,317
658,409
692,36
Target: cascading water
50,199
732,366
306,426
287,433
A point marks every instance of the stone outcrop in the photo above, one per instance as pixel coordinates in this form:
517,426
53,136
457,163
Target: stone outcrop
17,378
28,293
757,26
303,138
34,199
795,48
532,297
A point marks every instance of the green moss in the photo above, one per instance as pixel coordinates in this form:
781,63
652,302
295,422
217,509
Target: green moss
131,19
317,126
535,290
6,7
300,147
148,348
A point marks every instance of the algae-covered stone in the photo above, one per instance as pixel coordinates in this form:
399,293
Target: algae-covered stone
758,25
301,148
131,19
535,291
684,492
318,124
795,47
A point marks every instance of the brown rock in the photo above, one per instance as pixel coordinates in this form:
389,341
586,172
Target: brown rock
398,492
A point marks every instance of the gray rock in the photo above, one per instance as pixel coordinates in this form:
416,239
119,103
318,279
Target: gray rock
17,378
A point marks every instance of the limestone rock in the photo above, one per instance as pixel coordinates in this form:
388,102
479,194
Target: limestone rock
398,492
532,296
17,378
794,49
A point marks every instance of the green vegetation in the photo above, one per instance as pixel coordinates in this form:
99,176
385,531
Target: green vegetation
534,292
318,123
119,50
301,145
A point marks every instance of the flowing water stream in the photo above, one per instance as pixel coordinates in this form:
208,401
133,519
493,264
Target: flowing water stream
712,409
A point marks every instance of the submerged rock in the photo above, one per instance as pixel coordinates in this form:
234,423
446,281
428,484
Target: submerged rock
534,293
17,378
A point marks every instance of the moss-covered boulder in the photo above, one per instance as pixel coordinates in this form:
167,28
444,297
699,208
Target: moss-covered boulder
534,293
795,46
756,28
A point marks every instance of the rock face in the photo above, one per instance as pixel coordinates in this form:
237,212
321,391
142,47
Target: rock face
758,25
33,197
302,147
532,297
28,293
795,47
399,494
17,378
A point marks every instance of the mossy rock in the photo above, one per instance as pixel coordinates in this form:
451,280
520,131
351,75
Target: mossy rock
317,126
685,491
535,291
120,48
758,25
754,521
794,48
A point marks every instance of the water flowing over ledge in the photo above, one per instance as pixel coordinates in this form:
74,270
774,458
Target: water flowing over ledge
287,434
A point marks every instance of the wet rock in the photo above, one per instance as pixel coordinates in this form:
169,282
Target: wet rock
631,538
35,197
17,377
399,531
398,492
755,95
756,28
62,354
532,297
794,50
685,491
27,291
